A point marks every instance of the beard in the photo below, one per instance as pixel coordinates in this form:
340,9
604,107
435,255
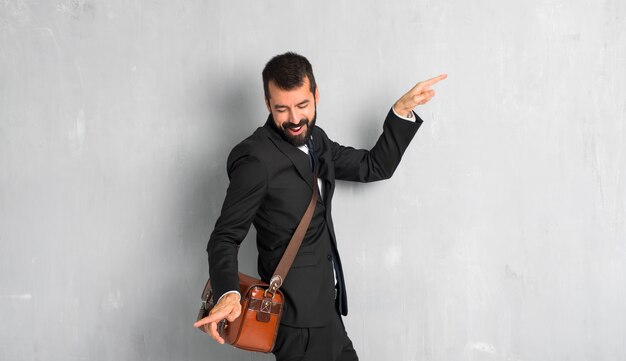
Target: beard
300,139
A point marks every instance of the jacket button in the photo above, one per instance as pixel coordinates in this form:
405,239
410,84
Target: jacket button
329,257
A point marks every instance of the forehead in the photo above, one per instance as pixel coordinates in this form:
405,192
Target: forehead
296,95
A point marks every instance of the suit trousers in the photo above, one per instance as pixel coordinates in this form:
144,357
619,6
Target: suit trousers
328,343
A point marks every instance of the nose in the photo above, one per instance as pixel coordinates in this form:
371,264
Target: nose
293,117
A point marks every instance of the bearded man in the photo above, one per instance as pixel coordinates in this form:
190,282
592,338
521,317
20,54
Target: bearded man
271,182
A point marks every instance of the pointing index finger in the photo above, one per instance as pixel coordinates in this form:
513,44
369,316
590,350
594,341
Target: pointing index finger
217,316
434,80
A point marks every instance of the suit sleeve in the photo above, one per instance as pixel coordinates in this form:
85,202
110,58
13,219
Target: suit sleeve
381,161
246,190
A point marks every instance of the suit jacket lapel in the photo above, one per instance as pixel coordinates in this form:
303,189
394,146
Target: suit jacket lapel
299,159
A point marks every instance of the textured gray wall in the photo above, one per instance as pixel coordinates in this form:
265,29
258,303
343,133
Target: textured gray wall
500,237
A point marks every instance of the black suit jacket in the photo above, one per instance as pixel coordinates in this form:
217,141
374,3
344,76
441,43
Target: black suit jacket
271,184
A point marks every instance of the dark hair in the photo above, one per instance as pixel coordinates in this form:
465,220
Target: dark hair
288,71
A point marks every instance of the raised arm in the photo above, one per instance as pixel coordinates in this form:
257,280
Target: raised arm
381,161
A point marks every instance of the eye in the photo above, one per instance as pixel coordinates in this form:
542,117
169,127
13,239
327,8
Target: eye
302,106
281,110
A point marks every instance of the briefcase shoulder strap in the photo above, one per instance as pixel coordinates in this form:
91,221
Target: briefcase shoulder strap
294,244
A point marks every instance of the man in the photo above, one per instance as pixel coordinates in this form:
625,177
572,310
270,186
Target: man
271,182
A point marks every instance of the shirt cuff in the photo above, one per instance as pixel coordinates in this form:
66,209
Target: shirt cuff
410,118
237,292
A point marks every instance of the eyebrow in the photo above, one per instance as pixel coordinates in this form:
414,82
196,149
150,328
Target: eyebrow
304,102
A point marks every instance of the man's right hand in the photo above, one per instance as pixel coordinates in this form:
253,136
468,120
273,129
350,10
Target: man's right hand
228,307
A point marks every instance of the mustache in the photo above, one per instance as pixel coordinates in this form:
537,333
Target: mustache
302,122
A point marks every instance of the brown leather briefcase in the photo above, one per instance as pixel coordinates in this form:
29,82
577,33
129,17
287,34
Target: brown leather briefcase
256,328
261,304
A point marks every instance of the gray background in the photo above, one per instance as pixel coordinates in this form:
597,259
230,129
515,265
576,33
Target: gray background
500,237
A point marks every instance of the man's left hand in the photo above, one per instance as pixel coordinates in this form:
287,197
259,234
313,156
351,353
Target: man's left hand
418,95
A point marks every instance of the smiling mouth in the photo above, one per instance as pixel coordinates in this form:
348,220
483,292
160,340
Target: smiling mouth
296,130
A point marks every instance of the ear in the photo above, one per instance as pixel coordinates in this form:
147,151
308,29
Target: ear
317,94
267,104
